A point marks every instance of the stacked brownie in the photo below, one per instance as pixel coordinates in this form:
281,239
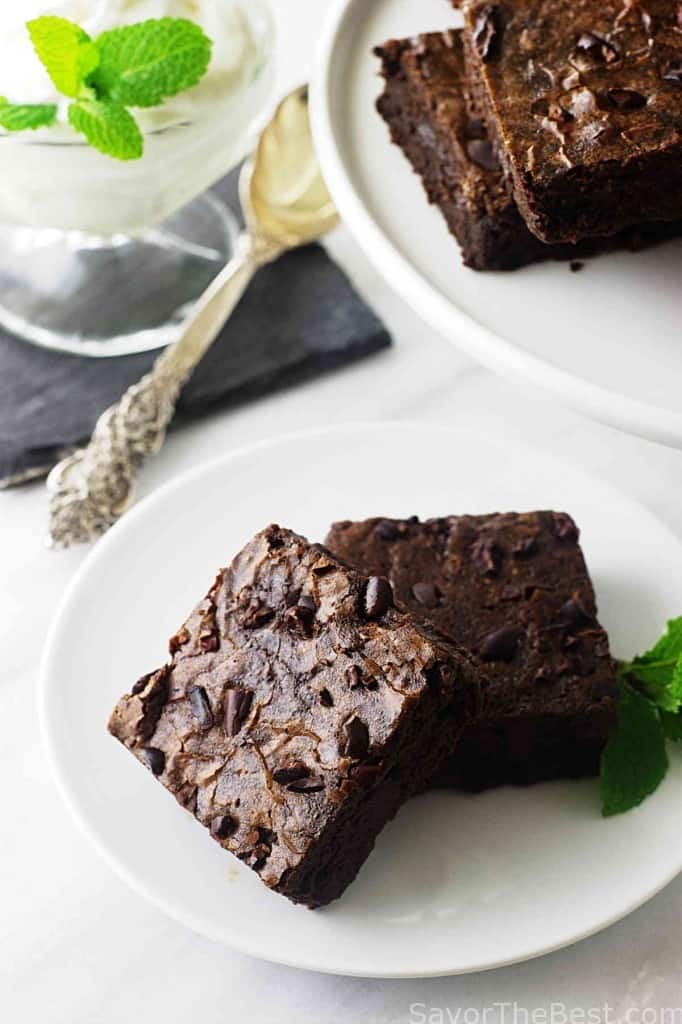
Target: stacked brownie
298,711
514,589
545,129
311,693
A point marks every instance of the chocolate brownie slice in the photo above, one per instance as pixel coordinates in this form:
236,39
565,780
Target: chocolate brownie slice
584,104
299,710
514,589
431,118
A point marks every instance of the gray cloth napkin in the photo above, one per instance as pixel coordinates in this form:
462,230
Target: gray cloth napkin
300,317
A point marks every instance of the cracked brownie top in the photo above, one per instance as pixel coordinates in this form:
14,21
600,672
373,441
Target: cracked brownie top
293,691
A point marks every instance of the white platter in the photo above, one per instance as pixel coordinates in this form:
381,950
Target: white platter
457,883
607,340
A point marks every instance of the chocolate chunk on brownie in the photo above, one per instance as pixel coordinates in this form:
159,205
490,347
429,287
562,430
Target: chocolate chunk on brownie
297,713
584,104
515,591
431,117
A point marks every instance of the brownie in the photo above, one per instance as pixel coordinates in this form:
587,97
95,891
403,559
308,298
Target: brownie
515,591
298,711
431,117
583,100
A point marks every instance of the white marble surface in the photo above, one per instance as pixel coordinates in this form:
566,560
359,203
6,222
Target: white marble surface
76,947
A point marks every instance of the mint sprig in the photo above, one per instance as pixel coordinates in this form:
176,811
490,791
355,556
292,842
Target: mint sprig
28,116
659,671
137,65
66,50
634,761
141,65
109,127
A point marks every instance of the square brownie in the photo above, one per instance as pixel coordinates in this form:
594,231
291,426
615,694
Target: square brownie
515,591
426,106
298,711
583,101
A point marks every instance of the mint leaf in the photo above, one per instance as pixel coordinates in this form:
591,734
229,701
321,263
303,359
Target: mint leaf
659,671
140,65
17,117
67,52
108,127
634,761
672,726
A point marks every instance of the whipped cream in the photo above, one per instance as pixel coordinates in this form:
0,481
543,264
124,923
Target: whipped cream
234,62
51,179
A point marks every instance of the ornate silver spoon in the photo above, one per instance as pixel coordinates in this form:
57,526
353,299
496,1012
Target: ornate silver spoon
285,204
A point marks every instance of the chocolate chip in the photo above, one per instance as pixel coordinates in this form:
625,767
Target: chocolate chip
237,707
673,72
326,698
154,758
355,741
354,677
575,616
311,784
599,49
501,645
324,569
290,773
564,528
302,616
475,129
487,555
386,530
487,34
481,153
223,826
426,594
257,615
153,696
378,597
201,709
298,779
141,684
526,547
273,535
576,265
626,99
261,840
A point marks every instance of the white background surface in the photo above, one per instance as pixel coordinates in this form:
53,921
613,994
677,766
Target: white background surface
76,947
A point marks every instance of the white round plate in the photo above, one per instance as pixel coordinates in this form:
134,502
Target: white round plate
457,883
606,340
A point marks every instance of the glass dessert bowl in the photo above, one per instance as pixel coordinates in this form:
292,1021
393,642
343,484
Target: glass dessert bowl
104,257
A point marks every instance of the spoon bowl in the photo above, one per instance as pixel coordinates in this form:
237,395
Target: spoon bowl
283,194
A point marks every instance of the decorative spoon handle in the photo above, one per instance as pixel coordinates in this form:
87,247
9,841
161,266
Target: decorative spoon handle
91,489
